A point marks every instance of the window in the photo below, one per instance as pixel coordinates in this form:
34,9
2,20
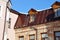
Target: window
57,35
44,36
9,23
21,38
32,18
32,37
57,13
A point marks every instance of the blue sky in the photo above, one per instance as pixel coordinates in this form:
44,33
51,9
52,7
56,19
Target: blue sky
25,5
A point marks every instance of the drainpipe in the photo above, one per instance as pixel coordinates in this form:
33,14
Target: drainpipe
5,20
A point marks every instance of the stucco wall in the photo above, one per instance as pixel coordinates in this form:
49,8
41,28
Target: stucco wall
2,18
11,32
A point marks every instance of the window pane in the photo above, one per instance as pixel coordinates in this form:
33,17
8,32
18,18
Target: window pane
44,38
58,11
56,14
32,18
44,35
32,37
21,38
57,33
57,38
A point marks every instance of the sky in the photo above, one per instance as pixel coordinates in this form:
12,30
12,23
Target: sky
23,6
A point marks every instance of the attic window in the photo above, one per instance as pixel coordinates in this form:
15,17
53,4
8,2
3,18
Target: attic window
32,18
57,12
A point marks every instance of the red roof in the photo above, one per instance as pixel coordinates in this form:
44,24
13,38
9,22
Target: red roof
41,17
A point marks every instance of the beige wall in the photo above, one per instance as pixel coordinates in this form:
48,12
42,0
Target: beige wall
48,28
11,32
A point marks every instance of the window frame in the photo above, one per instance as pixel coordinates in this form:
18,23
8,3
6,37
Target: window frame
32,35
57,12
45,37
32,18
21,37
55,35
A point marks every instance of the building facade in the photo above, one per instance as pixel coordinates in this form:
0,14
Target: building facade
3,12
8,18
39,25
10,24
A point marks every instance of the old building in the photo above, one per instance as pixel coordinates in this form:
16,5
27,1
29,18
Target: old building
3,13
39,25
10,32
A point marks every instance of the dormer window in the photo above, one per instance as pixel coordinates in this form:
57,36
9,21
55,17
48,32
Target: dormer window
57,12
32,18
